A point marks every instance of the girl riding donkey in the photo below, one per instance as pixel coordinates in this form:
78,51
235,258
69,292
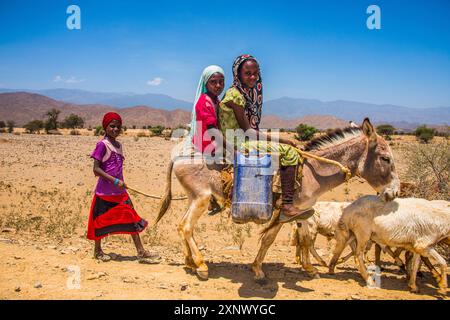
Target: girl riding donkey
112,211
241,109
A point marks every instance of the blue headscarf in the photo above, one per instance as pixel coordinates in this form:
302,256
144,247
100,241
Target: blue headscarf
201,88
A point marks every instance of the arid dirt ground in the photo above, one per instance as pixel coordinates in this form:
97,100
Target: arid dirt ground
46,185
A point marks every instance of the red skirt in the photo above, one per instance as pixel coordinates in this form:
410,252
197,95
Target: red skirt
113,215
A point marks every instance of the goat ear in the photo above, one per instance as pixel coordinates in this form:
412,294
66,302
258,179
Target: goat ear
369,130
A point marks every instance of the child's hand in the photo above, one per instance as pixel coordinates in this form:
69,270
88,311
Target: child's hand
121,184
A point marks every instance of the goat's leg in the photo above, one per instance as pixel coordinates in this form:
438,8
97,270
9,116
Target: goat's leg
352,243
432,269
341,242
430,252
317,256
414,266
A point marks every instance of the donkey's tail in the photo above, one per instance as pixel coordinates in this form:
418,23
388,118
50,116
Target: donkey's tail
167,197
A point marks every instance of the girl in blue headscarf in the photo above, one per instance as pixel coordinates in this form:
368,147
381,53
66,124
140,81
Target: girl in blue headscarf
204,116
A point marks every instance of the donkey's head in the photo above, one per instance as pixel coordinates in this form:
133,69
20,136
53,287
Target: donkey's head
377,164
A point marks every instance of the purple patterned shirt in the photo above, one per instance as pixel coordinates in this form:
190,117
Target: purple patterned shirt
112,166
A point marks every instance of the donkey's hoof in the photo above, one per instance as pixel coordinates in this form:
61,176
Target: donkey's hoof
414,289
442,292
202,272
261,281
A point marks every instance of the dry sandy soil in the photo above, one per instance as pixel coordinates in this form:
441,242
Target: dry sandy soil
46,185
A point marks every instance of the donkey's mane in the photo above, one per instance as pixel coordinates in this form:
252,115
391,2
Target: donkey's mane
332,138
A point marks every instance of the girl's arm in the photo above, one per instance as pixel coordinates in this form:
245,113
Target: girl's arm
99,172
220,140
242,120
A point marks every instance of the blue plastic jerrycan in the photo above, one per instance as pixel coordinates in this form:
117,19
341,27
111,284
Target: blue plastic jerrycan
252,189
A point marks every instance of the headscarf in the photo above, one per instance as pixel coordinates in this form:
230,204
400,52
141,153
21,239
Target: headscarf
201,88
253,97
110,116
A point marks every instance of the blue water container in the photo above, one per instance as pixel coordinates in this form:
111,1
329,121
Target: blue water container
252,189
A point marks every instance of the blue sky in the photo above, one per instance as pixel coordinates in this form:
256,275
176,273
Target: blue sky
307,49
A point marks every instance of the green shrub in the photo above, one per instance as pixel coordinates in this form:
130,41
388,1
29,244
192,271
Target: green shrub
99,131
10,124
157,130
34,126
305,132
386,130
425,134
73,121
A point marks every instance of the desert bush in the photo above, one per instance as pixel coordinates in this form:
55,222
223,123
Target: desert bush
2,124
425,134
73,121
428,169
304,132
52,120
34,126
156,130
99,131
10,124
386,130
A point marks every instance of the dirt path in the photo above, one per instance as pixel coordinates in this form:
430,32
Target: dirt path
46,187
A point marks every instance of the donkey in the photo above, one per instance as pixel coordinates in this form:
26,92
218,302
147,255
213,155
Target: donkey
360,149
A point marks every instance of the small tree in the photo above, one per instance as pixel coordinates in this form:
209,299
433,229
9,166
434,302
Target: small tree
425,134
157,130
34,126
99,131
305,132
73,121
386,130
10,124
52,120
2,124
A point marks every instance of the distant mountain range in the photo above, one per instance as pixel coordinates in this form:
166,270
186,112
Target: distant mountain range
287,110
118,100
22,107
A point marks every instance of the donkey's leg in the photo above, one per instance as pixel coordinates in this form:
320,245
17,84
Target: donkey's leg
188,261
266,242
197,208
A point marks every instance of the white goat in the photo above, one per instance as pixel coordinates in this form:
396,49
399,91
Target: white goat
324,222
413,224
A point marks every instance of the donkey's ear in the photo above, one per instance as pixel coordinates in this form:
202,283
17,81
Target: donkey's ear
369,130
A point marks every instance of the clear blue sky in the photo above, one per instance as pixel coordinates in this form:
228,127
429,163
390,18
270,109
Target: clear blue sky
308,49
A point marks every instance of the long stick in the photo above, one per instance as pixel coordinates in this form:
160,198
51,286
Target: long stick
152,196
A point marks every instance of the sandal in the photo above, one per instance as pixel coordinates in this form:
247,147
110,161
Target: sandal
303,216
149,257
103,257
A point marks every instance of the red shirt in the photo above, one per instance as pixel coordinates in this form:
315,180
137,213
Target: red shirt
205,110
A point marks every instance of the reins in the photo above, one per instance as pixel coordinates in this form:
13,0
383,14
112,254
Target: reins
344,169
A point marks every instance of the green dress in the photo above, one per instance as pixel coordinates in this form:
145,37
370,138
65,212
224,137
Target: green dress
287,154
